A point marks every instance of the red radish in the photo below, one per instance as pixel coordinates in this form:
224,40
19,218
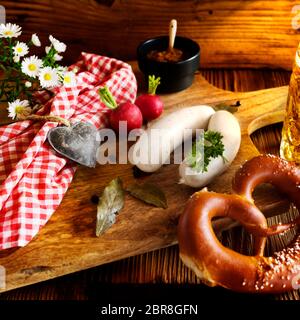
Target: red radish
150,104
126,111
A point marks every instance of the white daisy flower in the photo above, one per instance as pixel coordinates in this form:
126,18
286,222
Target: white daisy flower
58,46
35,40
48,77
20,49
57,57
19,109
9,30
31,66
16,59
28,84
69,79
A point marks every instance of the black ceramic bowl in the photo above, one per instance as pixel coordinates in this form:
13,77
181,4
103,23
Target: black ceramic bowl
175,76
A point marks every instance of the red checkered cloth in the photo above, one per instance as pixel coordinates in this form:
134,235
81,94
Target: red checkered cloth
33,177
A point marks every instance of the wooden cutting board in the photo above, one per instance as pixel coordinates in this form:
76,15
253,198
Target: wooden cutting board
68,243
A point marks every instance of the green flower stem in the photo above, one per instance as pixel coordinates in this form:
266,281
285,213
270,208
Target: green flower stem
10,50
107,98
48,60
153,84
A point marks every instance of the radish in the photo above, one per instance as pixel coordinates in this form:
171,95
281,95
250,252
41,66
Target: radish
150,104
126,111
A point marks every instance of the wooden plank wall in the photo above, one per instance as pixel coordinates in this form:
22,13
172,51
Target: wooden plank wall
231,33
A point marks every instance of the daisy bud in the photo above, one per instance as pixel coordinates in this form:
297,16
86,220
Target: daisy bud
47,49
28,84
57,57
16,58
35,40
58,45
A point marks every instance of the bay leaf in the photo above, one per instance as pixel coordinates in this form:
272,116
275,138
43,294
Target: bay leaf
149,193
228,107
111,202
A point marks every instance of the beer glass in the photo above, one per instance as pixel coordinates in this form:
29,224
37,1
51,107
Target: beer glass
290,141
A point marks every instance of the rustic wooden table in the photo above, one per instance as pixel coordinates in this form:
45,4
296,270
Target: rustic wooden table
161,266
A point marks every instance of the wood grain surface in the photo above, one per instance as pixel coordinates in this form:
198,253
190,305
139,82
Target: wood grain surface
231,33
67,243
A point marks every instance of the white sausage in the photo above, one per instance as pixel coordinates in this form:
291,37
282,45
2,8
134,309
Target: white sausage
156,149
227,124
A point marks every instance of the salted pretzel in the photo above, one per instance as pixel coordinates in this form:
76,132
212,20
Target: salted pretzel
215,264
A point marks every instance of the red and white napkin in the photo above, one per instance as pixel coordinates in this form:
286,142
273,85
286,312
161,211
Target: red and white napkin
33,177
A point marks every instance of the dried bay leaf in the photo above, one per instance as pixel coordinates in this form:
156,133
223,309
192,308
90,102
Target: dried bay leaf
111,202
148,193
228,107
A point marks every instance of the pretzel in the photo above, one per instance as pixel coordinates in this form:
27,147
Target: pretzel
217,265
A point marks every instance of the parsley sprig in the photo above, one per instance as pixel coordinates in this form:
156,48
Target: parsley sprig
212,146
